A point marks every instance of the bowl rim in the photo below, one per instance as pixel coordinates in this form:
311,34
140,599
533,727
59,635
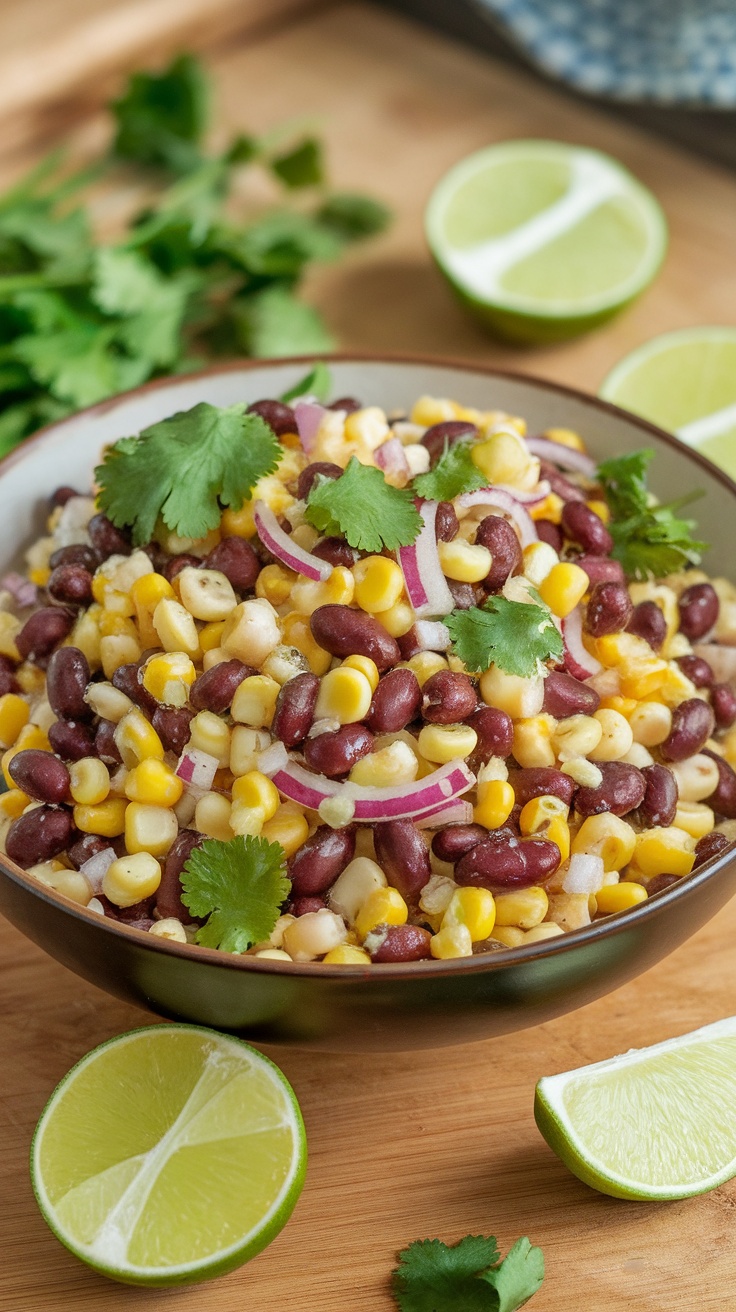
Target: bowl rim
425,969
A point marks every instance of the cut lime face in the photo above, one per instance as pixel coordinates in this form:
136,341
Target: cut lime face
169,1154
654,1123
542,239
685,382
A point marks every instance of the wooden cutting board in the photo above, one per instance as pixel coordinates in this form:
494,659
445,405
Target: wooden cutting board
437,1143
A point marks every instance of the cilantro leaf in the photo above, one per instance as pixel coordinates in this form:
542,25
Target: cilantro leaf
240,886
80,364
514,635
184,468
649,539
352,217
453,474
518,1277
161,117
273,322
301,166
364,509
436,1277
317,383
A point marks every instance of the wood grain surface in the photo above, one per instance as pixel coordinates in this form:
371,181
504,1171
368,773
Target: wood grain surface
433,1143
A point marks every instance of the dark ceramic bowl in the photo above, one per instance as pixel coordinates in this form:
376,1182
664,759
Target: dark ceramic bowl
425,1004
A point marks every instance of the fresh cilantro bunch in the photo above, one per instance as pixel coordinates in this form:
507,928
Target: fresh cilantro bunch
364,509
467,1276
239,886
453,474
193,277
649,539
515,635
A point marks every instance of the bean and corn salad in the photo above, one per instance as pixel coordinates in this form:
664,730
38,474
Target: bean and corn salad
474,733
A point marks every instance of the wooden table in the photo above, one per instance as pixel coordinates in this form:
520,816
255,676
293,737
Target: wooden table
435,1143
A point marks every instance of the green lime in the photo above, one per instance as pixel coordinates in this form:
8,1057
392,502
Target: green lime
169,1154
543,240
654,1123
685,382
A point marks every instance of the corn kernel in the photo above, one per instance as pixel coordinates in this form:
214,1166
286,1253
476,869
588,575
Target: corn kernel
533,741
346,954
168,678
131,878
252,631
562,589
86,637
606,836
212,817
550,508
149,828
215,656
136,739
379,583
523,908
10,627
239,523
619,897
14,714
274,583
474,908
366,666
105,818
650,722
616,737
273,954
31,678
175,627
359,880
697,777
384,906
425,664
246,820
13,803
558,832
392,765
495,804
639,678
398,619
154,783
70,883
510,935
539,559
450,942
314,935
254,702
146,592
463,561
297,632
208,733
504,458
89,780
542,932
255,789
695,818
519,697
344,695
577,735
169,928
566,437
288,826
664,851
537,813
206,593
246,745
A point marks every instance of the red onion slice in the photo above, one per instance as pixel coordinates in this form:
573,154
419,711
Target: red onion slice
390,456
197,769
20,589
432,635
426,585
96,867
284,549
563,456
457,813
534,498
309,416
577,659
509,504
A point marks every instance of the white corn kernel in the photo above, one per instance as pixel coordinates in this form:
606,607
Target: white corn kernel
314,934
212,817
519,697
131,878
697,777
616,736
207,593
107,701
539,559
209,733
169,928
351,889
650,723
246,745
252,631
175,627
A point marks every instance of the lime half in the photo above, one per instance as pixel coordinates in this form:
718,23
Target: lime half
657,1122
685,382
543,240
169,1154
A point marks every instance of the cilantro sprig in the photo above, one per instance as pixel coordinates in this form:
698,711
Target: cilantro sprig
453,474
515,635
649,539
239,886
467,1276
184,469
364,509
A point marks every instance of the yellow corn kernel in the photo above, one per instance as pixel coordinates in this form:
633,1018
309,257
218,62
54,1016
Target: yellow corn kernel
606,836
495,804
149,828
86,637
615,648
542,932
344,695
212,817
254,702
379,583
105,818
450,942
695,818
136,739
115,626
539,811
89,781
519,697
13,803
210,635
116,650
308,595
464,561
429,410
533,741
246,820
446,742
31,679
565,437
256,789
619,897
252,631
366,666
346,954
503,458
297,633
550,508
168,678
274,583
523,909
131,878
510,935
14,714
616,737
425,664
639,678
539,559
664,851
39,576
208,733
175,627
384,906
474,908
288,826
562,589
599,508
558,832
154,783
398,619
215,656
389,766
146,592
10,627
239,523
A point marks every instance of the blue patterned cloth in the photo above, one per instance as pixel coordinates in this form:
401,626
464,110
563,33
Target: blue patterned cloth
660,51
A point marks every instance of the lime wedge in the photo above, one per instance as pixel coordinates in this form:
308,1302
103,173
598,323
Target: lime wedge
542,240
169,1154
657,1122
685,382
